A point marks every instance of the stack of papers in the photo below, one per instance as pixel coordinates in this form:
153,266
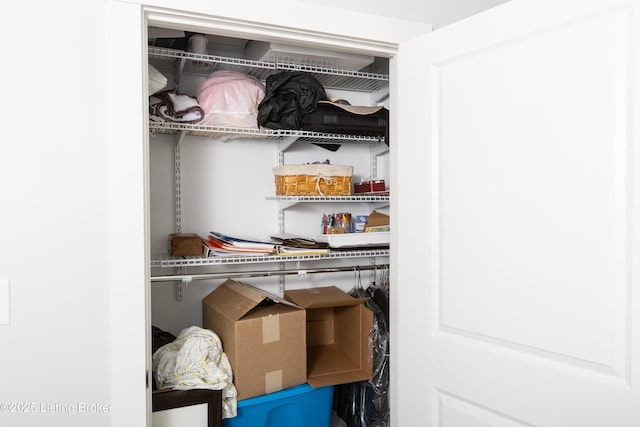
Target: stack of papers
293,251
294,245
218,244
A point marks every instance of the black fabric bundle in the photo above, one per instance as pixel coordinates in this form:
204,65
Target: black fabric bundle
289,96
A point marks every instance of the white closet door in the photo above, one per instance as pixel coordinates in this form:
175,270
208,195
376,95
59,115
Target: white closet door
517,286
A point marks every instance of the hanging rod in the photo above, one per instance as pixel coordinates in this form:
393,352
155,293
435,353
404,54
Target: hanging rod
264,273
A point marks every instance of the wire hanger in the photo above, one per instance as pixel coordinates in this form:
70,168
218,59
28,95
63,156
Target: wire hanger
358,278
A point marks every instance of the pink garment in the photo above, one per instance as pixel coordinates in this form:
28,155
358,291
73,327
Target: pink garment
230,98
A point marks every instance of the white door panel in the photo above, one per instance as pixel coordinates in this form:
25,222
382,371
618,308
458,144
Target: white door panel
517,218
533,185
456,411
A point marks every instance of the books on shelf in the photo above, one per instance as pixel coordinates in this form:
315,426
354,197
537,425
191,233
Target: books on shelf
243,243
218,244
289,245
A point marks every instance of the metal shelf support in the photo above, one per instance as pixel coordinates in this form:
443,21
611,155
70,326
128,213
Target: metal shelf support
177,177
283,145
376,152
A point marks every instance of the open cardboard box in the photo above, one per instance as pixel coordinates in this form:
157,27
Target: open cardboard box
377,219
262,334
338,328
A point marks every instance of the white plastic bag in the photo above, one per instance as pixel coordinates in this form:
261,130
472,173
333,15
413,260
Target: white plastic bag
230,98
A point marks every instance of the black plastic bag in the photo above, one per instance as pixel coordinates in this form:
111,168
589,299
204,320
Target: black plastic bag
289,96
159,338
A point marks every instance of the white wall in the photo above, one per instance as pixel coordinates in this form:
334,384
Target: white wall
54,223
436,13
52,171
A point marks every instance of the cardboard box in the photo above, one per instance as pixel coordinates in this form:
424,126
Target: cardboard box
338,327
377,219
185,244
262,335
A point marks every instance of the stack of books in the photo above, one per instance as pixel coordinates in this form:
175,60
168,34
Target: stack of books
218,244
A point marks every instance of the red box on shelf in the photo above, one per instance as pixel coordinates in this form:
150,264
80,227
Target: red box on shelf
369,186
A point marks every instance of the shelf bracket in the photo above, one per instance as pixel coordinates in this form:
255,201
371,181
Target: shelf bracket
286,205
281,226
177,177
281,279
377,151
179,291
183,282
283,145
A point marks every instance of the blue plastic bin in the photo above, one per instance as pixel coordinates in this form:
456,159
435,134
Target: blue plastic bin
299,406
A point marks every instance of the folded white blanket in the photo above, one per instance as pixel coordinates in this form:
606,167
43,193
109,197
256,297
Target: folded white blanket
176,107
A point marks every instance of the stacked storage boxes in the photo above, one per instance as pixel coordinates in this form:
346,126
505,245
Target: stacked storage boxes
288,354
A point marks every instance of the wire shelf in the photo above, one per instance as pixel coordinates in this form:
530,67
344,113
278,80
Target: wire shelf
330,78
167,261
354,198
226,133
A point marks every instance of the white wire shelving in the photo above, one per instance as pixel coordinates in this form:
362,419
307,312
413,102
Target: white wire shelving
194,63
164,261
353,198
226,133
181,62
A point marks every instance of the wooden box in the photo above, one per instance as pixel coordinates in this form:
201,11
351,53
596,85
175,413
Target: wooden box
185,244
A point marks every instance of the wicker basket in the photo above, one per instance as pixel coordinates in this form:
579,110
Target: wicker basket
313,180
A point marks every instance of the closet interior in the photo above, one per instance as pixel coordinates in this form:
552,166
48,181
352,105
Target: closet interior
211,179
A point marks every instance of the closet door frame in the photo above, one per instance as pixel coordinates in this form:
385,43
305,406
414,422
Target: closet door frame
128,186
